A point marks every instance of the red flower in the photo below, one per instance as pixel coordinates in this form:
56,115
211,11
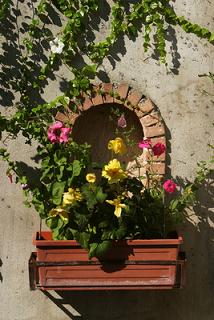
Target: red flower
169,186
158,149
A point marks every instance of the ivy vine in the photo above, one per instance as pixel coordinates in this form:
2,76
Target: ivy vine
150,18
39,54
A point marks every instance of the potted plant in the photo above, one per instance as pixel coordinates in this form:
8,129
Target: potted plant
111,226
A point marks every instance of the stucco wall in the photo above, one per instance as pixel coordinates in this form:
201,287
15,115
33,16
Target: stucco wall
186,104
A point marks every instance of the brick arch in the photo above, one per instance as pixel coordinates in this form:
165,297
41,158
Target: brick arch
146,111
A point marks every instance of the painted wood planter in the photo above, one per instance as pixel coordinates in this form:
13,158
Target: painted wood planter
130,265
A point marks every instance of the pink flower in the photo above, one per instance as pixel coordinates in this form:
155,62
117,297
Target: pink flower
145,144
52,137
169,186
64,135
122,121
158,149
58,133
55,126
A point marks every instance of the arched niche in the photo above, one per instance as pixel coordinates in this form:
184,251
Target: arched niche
92,124
100,125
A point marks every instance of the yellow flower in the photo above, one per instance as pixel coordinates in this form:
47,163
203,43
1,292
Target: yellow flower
113,171
72,196
118,206
90,177
59,212
117,145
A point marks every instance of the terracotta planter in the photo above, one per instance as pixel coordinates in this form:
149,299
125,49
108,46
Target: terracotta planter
130,265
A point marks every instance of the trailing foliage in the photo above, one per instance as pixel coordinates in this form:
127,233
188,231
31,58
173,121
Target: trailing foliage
4,8
100,211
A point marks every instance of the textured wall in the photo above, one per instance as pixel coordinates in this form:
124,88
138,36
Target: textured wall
186,104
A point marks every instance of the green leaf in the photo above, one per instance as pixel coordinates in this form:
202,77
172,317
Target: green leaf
27,204
89,70
39,206
83,239
173,204
55,234
103,224
82,220
48,172
52,222
102,248
100,196
57,191
76,168
59,159
90,195
60,174
92,250
121,232
84,83
211,39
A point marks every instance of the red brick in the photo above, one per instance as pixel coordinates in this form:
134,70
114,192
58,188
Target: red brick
134,97
159,168
145,182
128,105
131,166
139,113
159,139
61,117
146,106
150,119
154,131
66,118
72,117
107,88
136,172
87,104
97,99
122,90
142,171
155,177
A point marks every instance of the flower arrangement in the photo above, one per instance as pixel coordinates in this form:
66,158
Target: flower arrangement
97,203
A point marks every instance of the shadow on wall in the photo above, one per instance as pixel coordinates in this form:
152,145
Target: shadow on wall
195,301
15,66
1,263
11,57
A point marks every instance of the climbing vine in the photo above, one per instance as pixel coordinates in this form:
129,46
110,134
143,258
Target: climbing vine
148,18
38,54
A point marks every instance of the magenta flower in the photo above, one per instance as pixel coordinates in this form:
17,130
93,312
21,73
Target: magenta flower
145,144
169,186
64,135
158,149
122,121
58,133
